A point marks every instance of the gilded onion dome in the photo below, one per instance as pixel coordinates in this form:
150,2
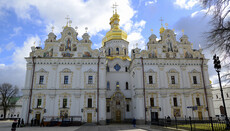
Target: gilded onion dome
115,32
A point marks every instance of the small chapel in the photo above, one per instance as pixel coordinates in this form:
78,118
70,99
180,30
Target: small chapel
69,79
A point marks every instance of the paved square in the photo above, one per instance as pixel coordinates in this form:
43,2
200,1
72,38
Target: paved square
6,126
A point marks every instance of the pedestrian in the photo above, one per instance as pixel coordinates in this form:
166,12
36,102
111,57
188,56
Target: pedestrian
134,122
19,122
14,125
42,123
22,123
32,122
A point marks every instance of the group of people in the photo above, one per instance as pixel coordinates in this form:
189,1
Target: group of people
17,123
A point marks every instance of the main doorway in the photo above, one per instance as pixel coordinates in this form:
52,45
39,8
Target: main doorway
38,117
89,117
200,115
154,117
118,116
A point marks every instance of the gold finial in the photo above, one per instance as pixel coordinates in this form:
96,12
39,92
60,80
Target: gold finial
115,5
161,21
152,31
182,31
166,24
67,18
86,28
173,30
52,28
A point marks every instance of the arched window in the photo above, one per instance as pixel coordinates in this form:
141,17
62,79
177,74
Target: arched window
107,68
127,85
108,85
117,50
109,52
125,51
126,69
222,112
117,84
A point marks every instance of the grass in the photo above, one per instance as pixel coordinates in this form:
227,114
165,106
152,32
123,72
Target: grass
205,126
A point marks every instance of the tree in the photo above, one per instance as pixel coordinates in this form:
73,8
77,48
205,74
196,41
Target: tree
8,92
219,35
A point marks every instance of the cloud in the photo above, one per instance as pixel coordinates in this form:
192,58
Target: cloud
135,36
10,46
16,32
150,2
186,4
94,14
15,72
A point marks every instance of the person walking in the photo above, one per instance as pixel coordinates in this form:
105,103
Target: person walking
14,125
134,122
19,122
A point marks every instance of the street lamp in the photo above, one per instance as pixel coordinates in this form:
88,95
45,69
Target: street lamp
217,67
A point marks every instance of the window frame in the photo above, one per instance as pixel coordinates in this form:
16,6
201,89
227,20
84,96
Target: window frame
41,79
175,101
150,79
66,80
173,79
64,103
90,103
90,79
39,103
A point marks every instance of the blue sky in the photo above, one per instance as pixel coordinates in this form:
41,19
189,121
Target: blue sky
27,21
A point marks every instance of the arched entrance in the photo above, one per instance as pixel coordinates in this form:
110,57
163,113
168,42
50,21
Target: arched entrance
117,105
222,110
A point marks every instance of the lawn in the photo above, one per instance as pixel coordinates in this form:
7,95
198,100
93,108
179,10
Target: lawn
205,126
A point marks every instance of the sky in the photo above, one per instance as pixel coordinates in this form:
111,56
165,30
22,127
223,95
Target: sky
25,22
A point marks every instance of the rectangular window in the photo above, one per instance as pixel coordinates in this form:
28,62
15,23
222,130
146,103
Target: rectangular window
175,101
108,109
64,102
127,85
89,102
39,103
173,80
41,80
150,79
194,80
198,101
66,79
127,107
90,79
152,102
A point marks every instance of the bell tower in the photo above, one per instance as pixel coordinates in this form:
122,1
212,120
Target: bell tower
115,41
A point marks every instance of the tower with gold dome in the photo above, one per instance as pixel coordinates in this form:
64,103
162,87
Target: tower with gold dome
68,79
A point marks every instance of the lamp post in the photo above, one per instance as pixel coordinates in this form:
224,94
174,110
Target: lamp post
217,67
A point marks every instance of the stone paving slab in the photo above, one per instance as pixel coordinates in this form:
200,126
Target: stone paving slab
6,126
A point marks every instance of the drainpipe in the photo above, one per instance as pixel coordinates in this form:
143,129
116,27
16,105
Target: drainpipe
98,64
31,89
205,92
143,86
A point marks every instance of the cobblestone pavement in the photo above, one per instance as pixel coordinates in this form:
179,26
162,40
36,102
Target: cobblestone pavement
6,126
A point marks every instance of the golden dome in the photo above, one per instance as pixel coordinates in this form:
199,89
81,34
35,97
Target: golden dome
162,29
115,32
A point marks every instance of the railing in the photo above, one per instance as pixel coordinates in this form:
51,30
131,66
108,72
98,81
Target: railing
204,124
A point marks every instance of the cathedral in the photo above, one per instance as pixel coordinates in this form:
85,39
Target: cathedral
67,78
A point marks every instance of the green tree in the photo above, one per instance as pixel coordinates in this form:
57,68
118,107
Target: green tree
8,92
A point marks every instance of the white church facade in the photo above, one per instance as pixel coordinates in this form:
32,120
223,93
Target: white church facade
69,78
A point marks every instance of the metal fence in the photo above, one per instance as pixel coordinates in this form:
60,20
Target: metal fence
193,124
